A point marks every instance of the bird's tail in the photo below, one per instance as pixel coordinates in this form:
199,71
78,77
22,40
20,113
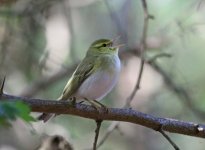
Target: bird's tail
46,116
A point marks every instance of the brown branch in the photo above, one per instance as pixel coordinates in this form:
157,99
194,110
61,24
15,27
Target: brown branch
113,114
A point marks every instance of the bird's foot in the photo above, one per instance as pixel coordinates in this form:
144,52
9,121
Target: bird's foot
97,105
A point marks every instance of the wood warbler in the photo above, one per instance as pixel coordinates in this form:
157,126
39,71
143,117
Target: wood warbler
94,77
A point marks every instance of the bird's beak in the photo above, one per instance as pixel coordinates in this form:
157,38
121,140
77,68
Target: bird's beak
115,39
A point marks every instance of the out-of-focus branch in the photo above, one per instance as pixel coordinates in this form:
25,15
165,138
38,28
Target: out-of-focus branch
46,82
113,114
178,90
69,18
199,4
5,42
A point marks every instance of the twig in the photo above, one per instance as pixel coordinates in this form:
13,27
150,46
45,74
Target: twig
68,14
153,59
142,51
111,128
2,86
179,91
169,139
46,82
113,114
6,41
137,86
199,4
147,16
98,123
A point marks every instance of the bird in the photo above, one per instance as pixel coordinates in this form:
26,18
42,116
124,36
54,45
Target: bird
94,77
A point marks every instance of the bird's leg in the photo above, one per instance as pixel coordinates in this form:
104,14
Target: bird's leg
102,106
92,103
97,105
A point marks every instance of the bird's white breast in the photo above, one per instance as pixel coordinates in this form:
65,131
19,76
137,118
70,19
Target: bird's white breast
100,83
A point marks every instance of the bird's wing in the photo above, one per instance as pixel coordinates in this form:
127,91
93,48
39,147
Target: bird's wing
82,72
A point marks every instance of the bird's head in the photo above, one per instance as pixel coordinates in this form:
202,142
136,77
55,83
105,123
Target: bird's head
103,46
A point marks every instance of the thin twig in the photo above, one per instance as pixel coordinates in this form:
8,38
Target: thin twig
169,139
199,4
98,123
112,127
69,16
180,91
2,86
7,35
159,56
143,47
46,82
137,86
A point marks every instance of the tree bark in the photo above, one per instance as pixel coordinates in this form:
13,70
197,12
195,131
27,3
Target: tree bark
113,114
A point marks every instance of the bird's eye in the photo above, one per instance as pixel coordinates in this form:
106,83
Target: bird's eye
104,45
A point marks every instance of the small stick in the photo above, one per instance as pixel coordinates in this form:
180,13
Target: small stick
2,86
168,139
97,130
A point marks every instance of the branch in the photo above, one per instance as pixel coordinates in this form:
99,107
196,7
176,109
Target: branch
113,114
46,82
180,91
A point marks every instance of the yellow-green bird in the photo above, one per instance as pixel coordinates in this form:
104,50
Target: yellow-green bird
94,77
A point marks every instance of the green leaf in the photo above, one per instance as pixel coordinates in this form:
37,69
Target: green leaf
24,111
9,111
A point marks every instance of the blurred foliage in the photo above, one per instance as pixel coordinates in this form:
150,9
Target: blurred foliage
41,38
10,111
